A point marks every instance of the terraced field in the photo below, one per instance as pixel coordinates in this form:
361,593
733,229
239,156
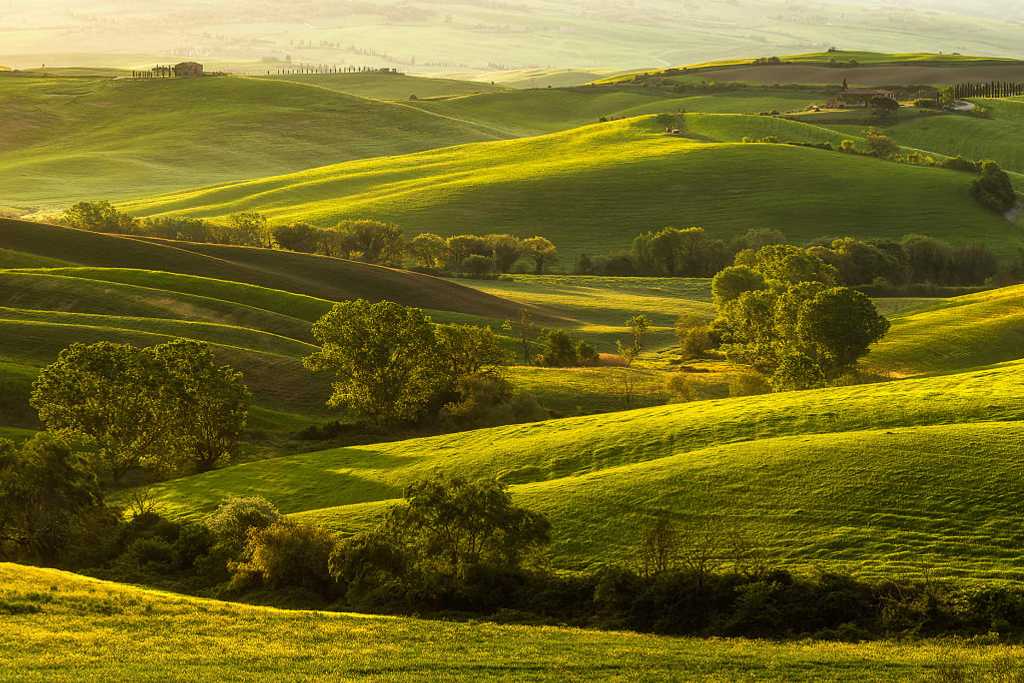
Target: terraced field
594,188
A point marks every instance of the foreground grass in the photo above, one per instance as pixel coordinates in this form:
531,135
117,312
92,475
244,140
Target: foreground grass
63,627
594,188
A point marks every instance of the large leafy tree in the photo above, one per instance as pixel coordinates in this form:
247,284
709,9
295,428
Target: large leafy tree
372,241
208,402
107,393
46,493
541,250
384,360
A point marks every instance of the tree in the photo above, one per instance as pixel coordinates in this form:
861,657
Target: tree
541,250
453,526
383,357
249,228
505,250
733,281
994,188
372,241
297,237
108,394
209,402
477,266
785,264
559,350
460,247
234,519
638,327
98,217
46,492
429,250
465,350
526,331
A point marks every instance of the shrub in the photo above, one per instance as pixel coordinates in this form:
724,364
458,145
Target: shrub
288,554
232,522
559,350
994,188
586,353
477,266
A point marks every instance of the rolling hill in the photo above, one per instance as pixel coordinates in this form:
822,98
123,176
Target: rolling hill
390,86
859,68
592,189
856,478
64,627
70,139
24,244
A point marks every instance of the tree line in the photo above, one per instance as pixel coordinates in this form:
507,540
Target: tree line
993,89
364,240
884,264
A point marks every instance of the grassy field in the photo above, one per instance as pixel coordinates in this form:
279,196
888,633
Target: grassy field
955,334
390,86
911,476
594,188
69,139
63,627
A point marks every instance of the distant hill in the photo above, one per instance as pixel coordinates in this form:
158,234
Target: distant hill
69,139
831,68
592,189
388,86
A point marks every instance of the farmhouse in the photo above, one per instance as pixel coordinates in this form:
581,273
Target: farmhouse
851,98
188,70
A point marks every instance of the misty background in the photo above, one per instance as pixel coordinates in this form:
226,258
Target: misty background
480,37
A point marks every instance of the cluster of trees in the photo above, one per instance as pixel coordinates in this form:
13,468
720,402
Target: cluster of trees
364,240
962,91
169,407
993,188
883,264
783,314
682,252
392,365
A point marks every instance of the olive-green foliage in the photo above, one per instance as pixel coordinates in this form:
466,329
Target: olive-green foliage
287,554
234,519
371,241
46,494
391,364
382,357
798,327
451,527
108,394
99,217
685,252
209,403
168,406
730,282
994,188
542,251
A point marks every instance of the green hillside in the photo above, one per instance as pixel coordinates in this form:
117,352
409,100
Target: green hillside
387,86
64,627
24,244
594,188
955,334
68,139
842,477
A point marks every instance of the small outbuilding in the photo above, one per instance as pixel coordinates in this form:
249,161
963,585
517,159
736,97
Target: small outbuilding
188,70
852,98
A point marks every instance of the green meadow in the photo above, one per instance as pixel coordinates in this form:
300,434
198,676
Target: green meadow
62,627
592,189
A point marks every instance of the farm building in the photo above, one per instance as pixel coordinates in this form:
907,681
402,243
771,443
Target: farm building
188,70
851,98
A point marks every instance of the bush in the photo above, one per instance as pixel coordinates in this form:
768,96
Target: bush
288,554
233,521
994,188
477,266
559,350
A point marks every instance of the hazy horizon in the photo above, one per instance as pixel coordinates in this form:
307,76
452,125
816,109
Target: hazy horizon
490,35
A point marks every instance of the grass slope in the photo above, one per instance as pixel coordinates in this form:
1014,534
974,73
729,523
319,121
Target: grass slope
955,334
305,274
594,188
64,627
68,139
836,477
391,86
